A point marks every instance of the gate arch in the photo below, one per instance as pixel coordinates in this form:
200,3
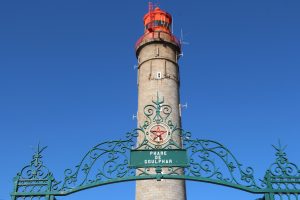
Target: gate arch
110,162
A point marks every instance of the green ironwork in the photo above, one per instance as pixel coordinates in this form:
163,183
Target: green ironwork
158,158
109,162
282,176
35,179
158,113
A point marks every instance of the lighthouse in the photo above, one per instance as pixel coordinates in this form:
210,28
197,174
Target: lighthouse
158,52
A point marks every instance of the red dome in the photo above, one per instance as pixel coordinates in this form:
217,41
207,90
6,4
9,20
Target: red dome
157,26
157,20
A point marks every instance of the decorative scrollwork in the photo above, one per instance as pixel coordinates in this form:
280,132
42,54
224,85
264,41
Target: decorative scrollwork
283,175
282,167
158,113
210,159
108,162
36,169
35,177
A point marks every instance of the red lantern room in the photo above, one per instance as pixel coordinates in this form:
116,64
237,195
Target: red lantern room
157,20
158,27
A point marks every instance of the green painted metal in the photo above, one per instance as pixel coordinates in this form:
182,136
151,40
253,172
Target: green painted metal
158,158
109,162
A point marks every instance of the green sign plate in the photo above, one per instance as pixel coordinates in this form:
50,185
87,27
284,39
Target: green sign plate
158,158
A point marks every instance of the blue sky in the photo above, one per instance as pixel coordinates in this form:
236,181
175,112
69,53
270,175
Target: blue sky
67,81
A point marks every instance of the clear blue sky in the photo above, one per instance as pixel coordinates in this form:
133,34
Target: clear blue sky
67,80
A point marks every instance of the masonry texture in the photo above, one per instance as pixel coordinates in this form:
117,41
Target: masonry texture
158,73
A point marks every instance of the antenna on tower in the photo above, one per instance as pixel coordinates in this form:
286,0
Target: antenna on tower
182,42
150,6
156,3
181,38
134,116
172,26
151,23
182,106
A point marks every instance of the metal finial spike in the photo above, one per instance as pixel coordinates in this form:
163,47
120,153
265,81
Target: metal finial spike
279,147
275,147
158,101
157,97
162,101
40,149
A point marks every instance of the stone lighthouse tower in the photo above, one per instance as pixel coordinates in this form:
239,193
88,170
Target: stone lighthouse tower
158,52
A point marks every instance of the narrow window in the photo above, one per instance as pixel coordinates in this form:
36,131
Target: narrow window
158,75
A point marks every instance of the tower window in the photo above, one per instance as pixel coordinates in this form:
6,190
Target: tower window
158,23
158,75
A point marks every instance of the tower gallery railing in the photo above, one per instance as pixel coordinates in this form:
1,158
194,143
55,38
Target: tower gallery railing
157,36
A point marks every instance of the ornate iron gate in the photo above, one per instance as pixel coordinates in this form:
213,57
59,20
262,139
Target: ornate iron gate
110,162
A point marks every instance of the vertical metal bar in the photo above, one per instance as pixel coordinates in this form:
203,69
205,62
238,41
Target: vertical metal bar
269,197
49,187
15,189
